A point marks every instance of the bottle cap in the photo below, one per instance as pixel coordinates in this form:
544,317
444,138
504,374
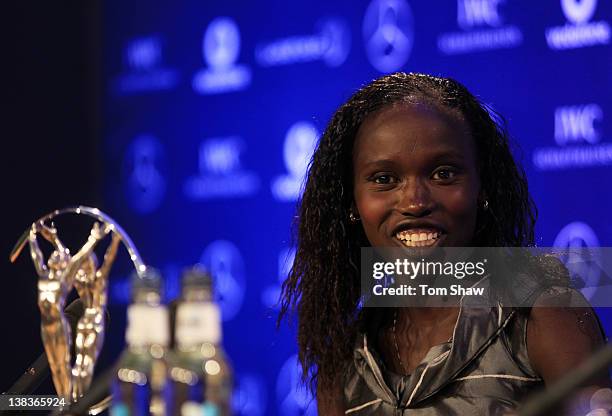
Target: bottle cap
149,281
197,276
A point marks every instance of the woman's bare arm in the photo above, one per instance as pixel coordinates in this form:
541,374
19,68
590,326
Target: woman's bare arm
558,340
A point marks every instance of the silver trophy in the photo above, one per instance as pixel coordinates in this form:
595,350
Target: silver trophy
57,276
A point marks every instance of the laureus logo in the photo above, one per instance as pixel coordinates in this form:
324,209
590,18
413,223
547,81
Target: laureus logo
579,31
581,255
250,395
300,143
294,399
225,263
578,11
144,174
270,296
388,34
221,49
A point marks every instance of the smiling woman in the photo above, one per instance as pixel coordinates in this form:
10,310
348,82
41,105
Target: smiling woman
413,160
415,173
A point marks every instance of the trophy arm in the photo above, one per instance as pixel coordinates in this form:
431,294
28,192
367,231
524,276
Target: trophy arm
81,284
50,234
77,260
109,257
36,255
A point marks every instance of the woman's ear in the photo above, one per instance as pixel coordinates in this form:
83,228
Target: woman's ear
354,217
483,201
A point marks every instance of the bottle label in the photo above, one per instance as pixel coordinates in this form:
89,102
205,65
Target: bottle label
147,325
197,323
210,409
199,409
119,410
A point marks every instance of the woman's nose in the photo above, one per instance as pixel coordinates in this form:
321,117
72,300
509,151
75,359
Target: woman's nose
415,199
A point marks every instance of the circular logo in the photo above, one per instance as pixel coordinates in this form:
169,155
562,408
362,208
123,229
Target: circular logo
221,43
578,11
143,172
581,255
300,143
250,395
294,399
388,33
270,295
224,262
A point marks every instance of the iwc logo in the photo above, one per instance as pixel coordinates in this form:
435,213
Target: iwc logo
483,29
577,133
220,173
388,34
144,70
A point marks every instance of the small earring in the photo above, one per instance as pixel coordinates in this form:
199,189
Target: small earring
485,205
353,218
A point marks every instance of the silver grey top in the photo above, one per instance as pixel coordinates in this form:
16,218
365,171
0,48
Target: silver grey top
484,370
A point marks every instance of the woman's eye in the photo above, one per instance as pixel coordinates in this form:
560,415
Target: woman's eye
382,179
444,174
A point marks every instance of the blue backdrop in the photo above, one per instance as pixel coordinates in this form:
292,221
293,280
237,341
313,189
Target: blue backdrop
212,110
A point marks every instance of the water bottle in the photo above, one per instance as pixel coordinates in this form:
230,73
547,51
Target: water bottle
141,375
199,371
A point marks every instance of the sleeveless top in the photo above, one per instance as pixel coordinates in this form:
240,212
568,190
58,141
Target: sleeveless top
484,370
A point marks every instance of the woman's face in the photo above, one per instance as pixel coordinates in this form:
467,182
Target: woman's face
415,177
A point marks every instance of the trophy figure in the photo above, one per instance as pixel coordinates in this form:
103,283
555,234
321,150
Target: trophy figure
91,285
55,280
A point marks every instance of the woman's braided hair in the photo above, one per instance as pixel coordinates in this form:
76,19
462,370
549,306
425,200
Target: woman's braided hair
323,286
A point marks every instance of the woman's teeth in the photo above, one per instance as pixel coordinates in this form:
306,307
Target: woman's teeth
417,239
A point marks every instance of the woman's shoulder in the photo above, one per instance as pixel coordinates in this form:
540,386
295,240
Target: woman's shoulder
563,330
525,278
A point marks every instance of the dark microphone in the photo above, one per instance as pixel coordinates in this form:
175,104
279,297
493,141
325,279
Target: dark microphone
99,391
38,371
541,402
